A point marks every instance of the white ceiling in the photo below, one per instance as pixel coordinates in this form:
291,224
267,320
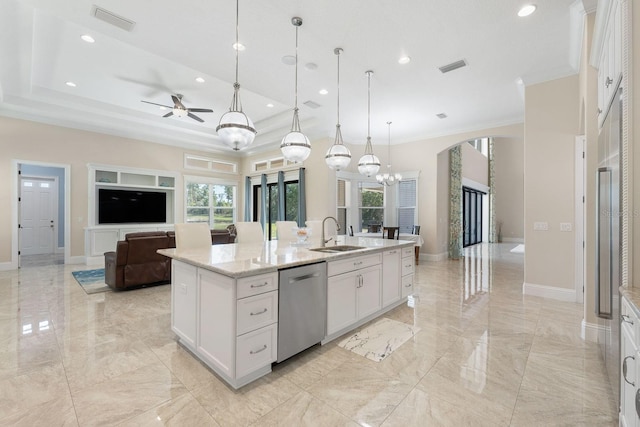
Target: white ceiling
174,42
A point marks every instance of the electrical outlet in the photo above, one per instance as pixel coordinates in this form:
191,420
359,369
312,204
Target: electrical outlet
541,226
566,226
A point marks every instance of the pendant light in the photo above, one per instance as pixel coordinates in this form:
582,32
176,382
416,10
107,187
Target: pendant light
235,128
338,156
369,164
388,178
295,146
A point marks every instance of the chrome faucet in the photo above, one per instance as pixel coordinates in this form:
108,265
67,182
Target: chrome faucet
324,242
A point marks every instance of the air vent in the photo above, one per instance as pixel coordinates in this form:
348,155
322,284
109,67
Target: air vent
441,116
312,104
453,66
113,19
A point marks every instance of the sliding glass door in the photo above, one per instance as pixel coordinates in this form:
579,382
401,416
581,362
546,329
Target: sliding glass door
471,216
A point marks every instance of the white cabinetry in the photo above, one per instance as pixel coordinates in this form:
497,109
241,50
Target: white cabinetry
407,270
629,365
230,324
610,60
353,291
391,277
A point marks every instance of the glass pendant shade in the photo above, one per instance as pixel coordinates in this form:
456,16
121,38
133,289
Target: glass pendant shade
369,164
295,145
338,155
235,128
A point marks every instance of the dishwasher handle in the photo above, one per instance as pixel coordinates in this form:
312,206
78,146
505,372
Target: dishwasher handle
303,277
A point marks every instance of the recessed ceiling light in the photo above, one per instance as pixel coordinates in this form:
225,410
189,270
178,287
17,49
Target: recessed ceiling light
87,38
199,79
404,60
239,46
70,84
289,60
323,91
311,66
527,10
270,105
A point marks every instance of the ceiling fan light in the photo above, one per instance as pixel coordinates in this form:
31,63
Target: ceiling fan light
236,130
295,146
179,112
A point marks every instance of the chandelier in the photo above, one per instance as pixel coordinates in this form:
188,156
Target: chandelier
338,156
369,164
235,128
295,146
388,178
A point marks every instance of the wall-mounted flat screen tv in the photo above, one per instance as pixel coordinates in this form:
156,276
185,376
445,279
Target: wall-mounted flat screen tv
131,206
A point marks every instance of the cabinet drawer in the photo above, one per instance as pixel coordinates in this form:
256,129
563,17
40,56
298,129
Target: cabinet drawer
408,251
256,350
257,311
254,285
407,266
629,318
407,285
351,264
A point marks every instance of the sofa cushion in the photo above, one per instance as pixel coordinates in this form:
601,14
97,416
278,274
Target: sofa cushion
136,274
143,249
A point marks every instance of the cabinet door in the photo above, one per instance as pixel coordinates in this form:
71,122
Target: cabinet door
341,301
183,301
407,285
369,299
628,378
217,321
390,277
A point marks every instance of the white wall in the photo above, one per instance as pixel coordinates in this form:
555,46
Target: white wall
552,123
509,187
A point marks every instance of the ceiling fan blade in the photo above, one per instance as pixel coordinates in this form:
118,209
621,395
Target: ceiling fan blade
199,110
194,117
169,114
153,103
177,102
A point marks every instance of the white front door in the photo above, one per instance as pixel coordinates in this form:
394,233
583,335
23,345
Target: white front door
38,215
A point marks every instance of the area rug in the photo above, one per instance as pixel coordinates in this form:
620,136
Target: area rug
378,340
518,249
92,281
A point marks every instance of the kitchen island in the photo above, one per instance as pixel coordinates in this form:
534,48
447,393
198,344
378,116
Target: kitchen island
225,299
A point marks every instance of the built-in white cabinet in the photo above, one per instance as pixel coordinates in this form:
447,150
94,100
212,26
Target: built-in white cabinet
230,324
353,291
610,60
407,271
391,277
629,365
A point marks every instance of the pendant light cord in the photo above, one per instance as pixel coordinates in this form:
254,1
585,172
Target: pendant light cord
389,146
237,40
338,54
368,105
296,105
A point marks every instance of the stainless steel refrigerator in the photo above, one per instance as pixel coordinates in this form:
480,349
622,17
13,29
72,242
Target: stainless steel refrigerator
608,240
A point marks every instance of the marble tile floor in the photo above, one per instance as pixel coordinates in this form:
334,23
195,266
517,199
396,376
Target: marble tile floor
485,355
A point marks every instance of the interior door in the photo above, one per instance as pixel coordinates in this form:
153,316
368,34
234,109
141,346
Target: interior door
38,215
471,216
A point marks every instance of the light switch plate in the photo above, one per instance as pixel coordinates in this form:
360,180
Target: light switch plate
541,226
566,226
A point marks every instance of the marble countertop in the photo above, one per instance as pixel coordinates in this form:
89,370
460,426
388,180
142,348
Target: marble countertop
633,296
248,259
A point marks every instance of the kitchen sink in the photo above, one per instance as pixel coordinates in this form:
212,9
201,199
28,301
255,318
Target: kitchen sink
337,249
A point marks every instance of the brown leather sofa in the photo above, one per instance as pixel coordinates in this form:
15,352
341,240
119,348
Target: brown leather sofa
136,263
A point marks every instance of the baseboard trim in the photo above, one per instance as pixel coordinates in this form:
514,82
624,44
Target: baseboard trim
77,260
92,260
513,240
552,292
434,257
5,266
592,332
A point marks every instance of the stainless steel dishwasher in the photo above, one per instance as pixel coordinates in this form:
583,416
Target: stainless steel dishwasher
302,308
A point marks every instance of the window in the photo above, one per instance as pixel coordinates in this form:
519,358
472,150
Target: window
370,205
343,203
407,201
272,204
212,203
480,144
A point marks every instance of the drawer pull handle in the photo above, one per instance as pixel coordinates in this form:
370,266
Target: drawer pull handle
408,285
259,286
357,263
624,370
608,82
408,265
626,318
257,313
258,351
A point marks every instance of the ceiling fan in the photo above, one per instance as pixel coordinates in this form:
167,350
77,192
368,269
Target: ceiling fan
180,110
